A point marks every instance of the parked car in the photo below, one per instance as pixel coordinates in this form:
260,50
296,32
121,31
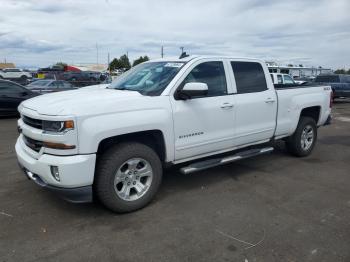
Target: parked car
15,74
340,84
114,142
82,78
304,80
49,86
11,95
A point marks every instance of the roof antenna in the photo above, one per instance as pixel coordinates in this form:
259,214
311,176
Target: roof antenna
183,55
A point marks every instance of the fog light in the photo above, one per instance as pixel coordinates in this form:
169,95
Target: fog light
55,172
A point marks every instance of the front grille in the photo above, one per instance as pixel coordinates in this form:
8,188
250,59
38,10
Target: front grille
36,123
32,143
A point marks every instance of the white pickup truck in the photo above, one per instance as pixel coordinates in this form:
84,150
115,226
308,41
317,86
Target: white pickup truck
113,142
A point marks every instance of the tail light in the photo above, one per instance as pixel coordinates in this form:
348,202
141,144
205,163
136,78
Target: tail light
331,97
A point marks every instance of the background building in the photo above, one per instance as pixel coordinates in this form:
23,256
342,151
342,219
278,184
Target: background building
297,70
7,65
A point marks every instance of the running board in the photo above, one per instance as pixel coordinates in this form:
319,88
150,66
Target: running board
198,166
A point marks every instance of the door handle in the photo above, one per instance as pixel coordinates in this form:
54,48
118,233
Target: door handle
270,100
226,105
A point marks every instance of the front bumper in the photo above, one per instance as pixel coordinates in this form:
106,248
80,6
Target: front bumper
76,172
74,195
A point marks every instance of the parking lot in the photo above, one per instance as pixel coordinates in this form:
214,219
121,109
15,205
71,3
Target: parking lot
270,208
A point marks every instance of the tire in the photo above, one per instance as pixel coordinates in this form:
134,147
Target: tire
302,142
113,175
23,80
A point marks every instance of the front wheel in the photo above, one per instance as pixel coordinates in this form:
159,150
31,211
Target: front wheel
302,142
127,177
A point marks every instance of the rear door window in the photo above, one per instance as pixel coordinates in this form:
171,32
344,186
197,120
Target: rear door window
66,85
249,76
60,84
53,85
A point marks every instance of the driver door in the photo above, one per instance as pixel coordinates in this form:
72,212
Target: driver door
203,125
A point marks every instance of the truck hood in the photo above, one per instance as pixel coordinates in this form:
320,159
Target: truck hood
100,86
82,102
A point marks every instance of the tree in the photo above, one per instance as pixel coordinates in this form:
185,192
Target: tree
121,63
340,71
124,61
115,64
59,66
62,64
140,60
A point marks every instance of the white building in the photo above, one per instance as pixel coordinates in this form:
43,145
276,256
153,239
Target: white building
297,70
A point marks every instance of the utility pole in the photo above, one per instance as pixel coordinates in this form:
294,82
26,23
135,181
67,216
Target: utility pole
96,53
182,49
109,68
162,51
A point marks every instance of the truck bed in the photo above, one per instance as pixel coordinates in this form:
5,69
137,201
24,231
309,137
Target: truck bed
289,101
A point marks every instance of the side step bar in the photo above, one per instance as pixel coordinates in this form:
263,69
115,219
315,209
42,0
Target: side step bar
198,166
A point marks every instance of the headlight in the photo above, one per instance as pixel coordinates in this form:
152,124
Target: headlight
58,126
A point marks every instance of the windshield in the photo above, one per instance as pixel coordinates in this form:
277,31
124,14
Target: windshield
148,78
40,83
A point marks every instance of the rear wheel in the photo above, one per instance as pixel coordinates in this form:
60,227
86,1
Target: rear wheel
128,177
302,142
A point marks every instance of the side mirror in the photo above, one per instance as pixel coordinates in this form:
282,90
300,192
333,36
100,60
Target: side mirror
24,93
191,90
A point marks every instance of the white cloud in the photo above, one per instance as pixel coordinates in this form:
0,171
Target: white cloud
42,32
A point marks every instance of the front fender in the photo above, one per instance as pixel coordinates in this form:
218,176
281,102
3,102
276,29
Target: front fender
93,130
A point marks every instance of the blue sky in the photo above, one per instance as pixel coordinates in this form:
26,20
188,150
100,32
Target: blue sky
42,32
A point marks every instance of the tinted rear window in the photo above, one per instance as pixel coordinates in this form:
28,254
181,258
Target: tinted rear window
249,76
327,79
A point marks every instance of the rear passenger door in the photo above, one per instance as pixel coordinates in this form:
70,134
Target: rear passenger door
255,103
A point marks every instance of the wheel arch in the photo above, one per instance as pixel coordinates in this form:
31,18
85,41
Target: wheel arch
312,111
152,138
